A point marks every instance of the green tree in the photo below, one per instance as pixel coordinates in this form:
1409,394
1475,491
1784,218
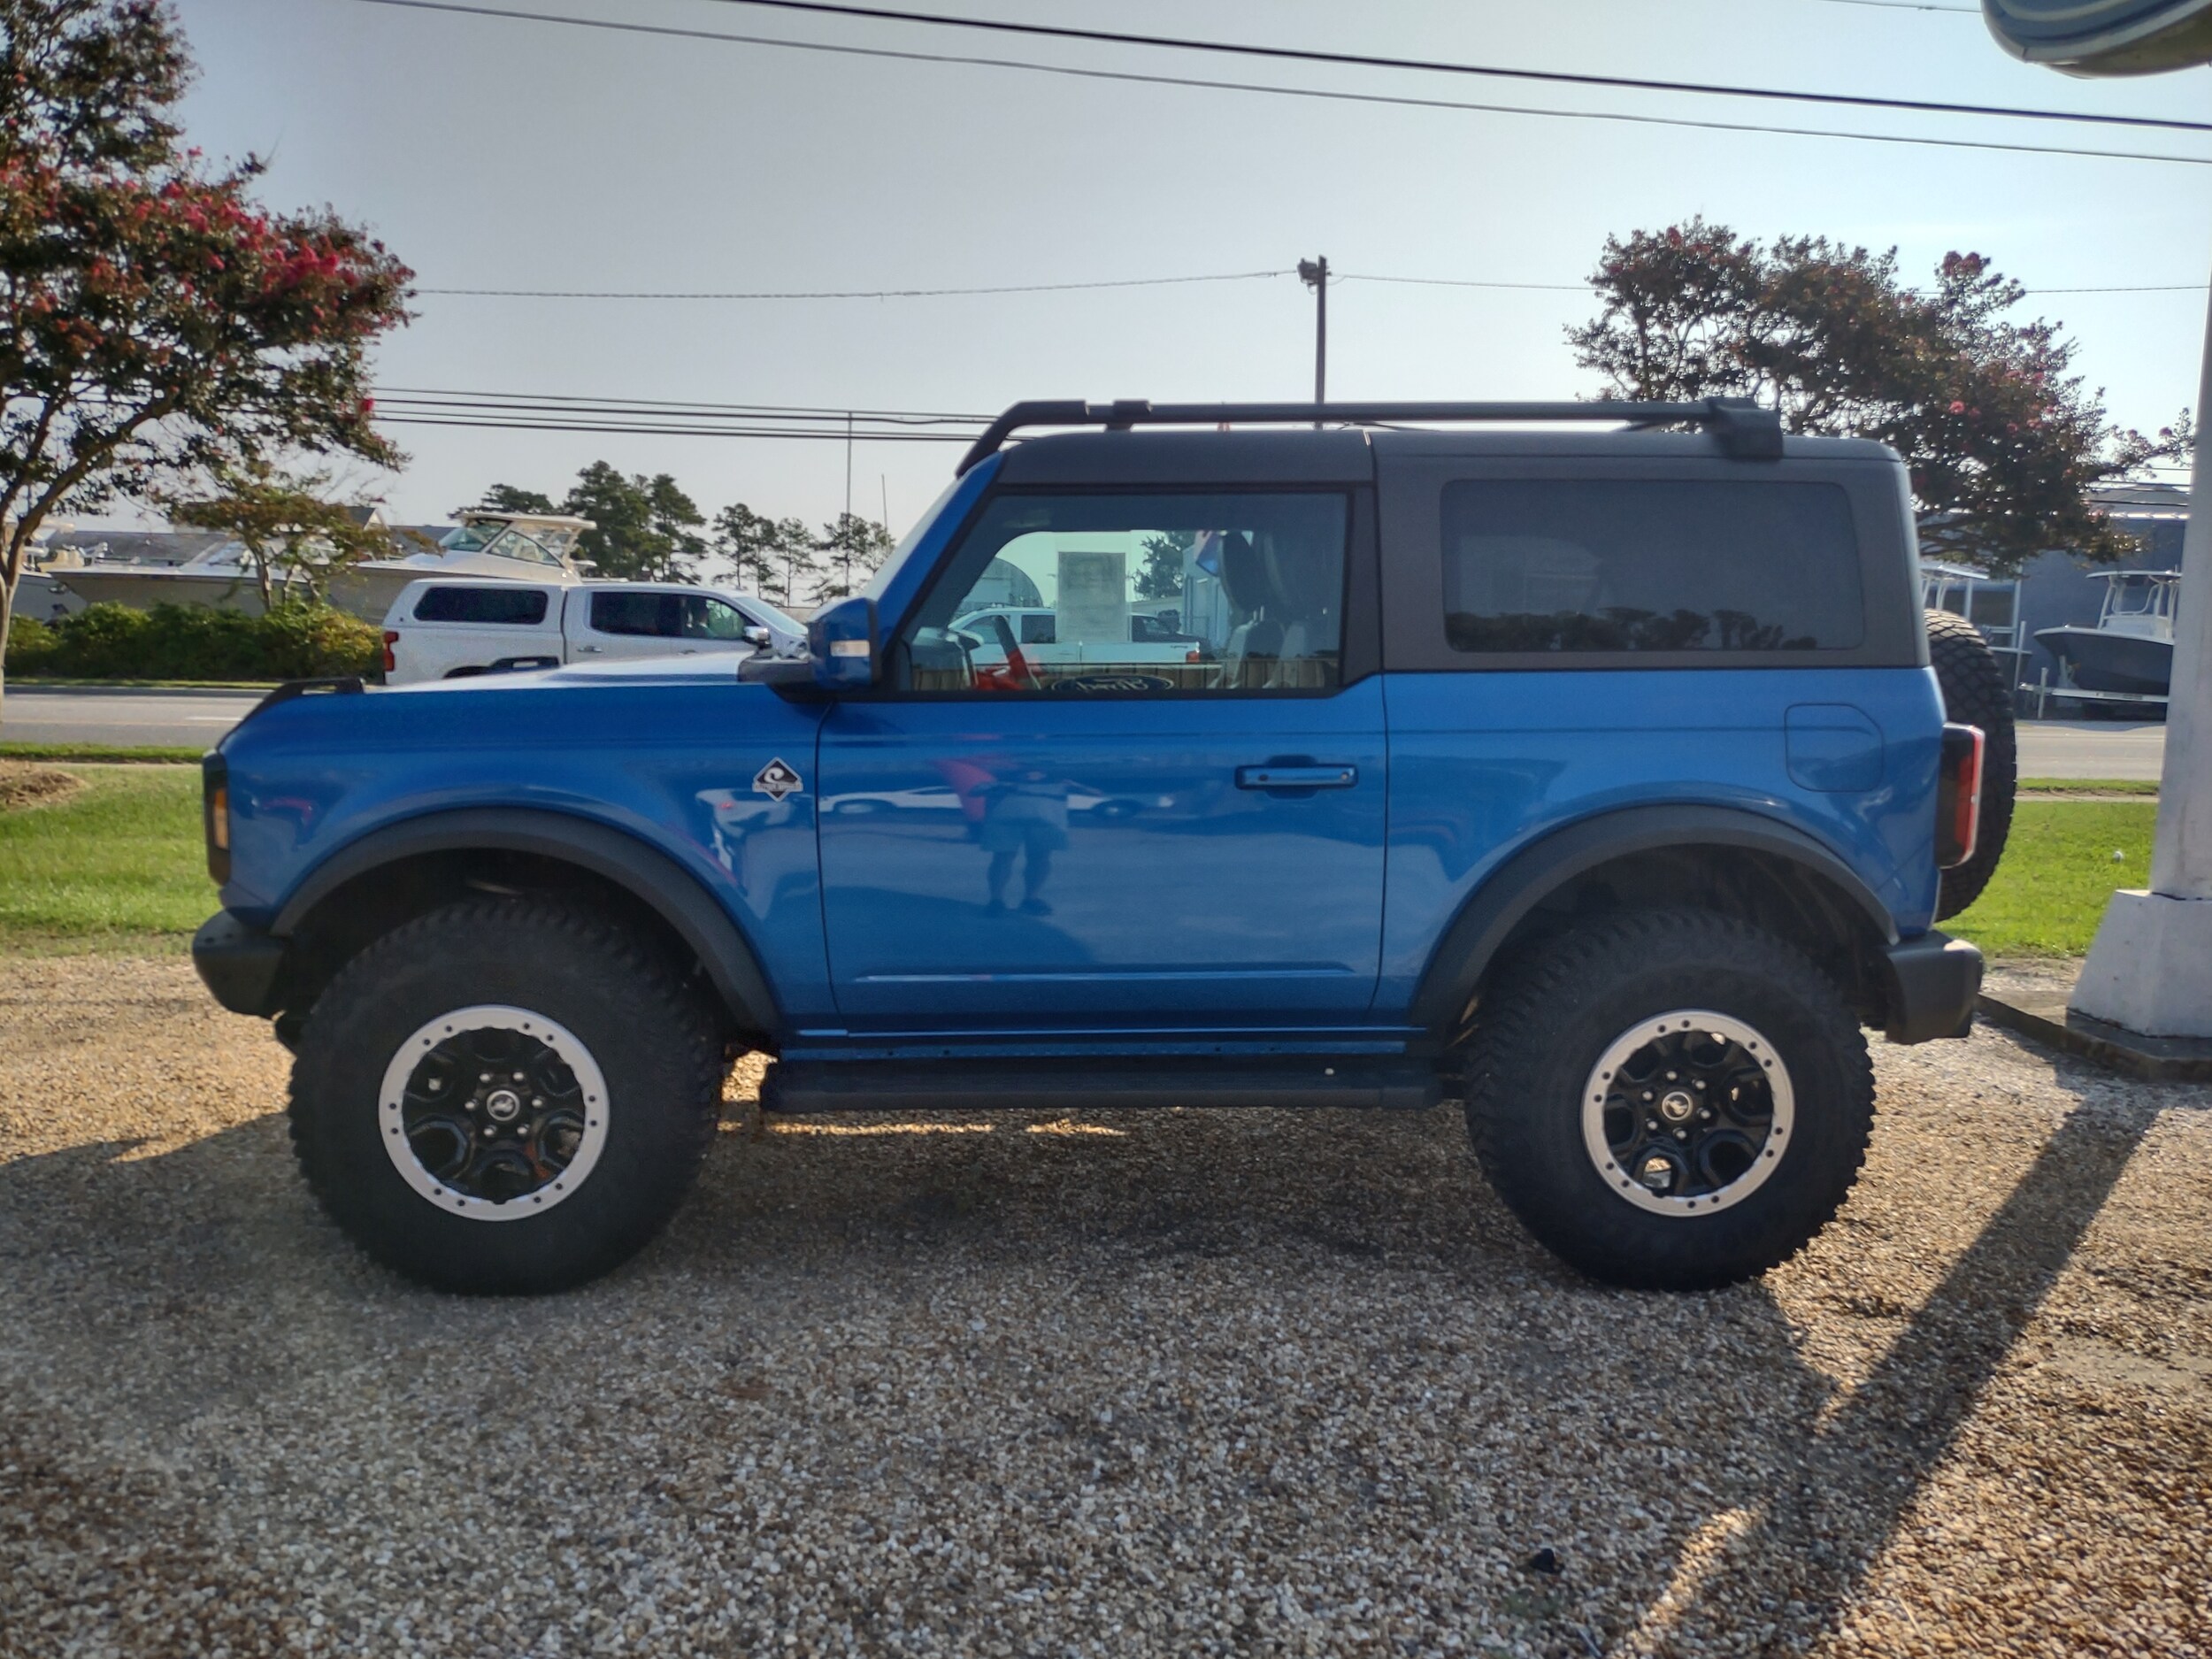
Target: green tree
1162,577
648,528
795,543
747,540
292,529
507,498
852,549
155,319
2002,443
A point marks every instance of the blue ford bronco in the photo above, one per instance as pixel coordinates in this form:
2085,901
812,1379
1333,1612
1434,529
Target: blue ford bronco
1598,780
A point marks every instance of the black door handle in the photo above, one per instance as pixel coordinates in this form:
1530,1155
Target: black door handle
1276,777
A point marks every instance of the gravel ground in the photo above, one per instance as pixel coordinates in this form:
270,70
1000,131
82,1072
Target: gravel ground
1170,1383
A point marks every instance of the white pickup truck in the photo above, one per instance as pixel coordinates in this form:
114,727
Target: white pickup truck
449,629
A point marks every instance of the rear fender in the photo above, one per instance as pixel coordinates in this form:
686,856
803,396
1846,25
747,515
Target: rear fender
1502,903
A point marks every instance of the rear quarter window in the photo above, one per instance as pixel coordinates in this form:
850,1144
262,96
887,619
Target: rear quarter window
1630,565
516,606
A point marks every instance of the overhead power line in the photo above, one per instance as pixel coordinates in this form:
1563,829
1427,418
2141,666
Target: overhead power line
799,412
1909,5
637,417
1135,282
1428,65
849,294
649,430
1399,101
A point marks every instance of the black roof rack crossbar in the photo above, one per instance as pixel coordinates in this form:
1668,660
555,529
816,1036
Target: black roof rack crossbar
1744,428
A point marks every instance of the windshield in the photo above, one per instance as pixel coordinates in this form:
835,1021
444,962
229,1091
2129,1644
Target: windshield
879,583
767,615
471,538
540,544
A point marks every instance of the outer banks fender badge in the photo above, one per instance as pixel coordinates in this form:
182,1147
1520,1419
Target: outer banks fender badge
776,781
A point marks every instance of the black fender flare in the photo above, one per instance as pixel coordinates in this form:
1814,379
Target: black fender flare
1499,903
647,874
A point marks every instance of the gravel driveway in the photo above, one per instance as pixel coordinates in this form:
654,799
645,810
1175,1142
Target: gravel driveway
1170,1383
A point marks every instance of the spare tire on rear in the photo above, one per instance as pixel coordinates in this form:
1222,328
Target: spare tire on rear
1977,692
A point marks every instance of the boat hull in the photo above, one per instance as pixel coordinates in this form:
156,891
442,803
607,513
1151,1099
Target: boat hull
2099,659
369,590
143,590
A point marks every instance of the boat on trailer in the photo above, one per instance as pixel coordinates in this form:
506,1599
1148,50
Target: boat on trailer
2130,653
530,547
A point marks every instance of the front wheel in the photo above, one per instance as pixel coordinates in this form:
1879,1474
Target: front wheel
1670,1100
503,1097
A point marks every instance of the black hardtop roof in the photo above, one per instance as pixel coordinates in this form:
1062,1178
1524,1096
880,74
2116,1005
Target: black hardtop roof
1347,456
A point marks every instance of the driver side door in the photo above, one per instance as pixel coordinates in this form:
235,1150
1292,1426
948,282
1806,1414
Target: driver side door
1068,839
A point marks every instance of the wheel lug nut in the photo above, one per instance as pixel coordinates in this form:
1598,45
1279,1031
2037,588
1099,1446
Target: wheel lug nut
1681,1134
483,1077
1706,1115
1651,1123
1646,1094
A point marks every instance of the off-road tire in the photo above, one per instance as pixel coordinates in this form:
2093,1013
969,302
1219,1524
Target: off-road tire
1561,1005
651,1037
1976,693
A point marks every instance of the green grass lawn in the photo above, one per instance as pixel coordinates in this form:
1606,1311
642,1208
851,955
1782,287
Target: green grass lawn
97,751
117,866
2049,892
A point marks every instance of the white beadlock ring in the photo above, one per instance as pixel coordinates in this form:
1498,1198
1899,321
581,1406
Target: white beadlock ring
495,1016
1596,1085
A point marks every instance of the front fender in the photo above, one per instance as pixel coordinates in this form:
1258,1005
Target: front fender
640,869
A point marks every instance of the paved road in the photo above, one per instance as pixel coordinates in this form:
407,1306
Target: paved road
2090,748
2048,748
98,714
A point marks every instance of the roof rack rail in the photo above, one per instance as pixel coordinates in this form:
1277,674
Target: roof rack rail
1745,429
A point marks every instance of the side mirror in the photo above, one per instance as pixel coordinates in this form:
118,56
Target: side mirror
758,636
841,643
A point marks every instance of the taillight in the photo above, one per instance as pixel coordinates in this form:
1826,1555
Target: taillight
391,637
1959,796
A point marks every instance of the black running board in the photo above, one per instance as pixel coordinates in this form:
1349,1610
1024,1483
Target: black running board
821,1085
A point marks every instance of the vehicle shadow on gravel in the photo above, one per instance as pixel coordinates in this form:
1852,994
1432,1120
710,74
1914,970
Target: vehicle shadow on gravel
1812,1543
1309,1362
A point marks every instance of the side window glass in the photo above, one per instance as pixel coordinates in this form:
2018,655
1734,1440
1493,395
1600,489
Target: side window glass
706,618
1165,595
658,615
1621,565
508,603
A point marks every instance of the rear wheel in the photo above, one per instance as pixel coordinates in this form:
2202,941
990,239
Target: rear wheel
503,1097
1669,1099
1977,692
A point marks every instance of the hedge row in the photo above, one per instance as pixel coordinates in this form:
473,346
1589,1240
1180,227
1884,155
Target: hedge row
293,642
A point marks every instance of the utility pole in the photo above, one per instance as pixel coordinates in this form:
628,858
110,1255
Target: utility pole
844,527
1315,274
2150,967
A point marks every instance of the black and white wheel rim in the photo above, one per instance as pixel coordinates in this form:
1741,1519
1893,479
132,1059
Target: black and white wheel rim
494,1113
1687,1113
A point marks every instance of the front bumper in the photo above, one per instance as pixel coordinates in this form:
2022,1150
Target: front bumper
240,964
1932,982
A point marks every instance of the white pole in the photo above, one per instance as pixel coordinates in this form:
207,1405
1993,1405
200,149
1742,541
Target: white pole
2150,970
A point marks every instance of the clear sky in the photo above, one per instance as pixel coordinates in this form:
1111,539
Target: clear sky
511,155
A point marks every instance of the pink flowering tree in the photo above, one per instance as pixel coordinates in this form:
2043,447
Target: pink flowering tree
155,319
2003,442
